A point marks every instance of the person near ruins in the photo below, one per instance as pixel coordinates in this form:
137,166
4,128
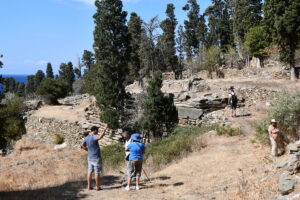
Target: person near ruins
91,145
274,137
136,150
126,137
233,101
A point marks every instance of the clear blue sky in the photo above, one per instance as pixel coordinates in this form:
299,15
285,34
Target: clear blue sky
34,32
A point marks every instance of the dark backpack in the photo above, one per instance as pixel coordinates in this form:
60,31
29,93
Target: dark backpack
234,98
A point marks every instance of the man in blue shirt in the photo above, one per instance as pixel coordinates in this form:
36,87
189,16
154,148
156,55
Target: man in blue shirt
136,150
91,145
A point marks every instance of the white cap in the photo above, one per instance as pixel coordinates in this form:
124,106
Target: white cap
273,121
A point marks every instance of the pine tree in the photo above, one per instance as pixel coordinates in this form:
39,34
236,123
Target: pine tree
52,89
135,31
39,76
195,29
88,59
49,71
247,14
167,39
160,113
256,43
111,42
30,89
282,23
66,73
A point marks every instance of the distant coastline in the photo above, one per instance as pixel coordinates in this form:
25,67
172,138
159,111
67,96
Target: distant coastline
17,77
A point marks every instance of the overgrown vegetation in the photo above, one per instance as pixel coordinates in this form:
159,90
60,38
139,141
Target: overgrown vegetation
228,131
183,140
113,156
12,125
286,111
52,89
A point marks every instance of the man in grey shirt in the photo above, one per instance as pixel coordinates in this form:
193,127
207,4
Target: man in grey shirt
91,145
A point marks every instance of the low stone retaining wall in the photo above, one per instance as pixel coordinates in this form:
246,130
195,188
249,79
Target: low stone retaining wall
44,130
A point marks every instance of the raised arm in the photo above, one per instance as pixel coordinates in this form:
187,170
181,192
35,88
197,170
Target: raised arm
103,133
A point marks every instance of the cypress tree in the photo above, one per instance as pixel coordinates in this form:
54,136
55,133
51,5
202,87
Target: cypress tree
111,41
30,89
219,23
135,31
66,73
247,14
282,23
39,76
195,28
49,71
160,113
167,39
214,14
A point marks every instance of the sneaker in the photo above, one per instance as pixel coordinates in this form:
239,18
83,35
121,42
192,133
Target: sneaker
127,188
137,188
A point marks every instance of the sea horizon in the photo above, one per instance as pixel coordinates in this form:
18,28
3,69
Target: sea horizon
17,77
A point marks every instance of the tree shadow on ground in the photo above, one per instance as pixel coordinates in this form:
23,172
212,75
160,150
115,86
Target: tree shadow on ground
67,191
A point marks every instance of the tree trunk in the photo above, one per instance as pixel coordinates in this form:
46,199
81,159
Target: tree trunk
293,73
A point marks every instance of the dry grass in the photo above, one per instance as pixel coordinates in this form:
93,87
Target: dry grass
34,165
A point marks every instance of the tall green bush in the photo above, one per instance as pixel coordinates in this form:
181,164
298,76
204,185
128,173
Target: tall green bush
52,89
12,125
286,110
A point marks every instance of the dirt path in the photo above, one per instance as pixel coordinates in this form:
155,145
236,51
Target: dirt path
229,168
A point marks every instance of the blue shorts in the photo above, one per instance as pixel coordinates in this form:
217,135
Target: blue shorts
94,166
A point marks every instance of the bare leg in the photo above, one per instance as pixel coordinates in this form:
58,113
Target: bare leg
129,182
137,182
89,179
97,177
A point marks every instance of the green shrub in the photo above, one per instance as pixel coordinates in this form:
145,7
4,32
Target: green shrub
52,89
228,131
59,139
12,125
161,151
113,156
181,142
286,110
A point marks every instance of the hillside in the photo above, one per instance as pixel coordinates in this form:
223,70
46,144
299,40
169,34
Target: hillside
228,168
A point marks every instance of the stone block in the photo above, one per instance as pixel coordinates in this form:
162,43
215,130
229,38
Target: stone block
189,113
286,184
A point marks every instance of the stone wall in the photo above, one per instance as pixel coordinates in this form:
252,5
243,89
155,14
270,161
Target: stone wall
44,128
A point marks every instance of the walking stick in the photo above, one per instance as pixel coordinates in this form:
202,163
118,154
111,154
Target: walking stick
146,174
